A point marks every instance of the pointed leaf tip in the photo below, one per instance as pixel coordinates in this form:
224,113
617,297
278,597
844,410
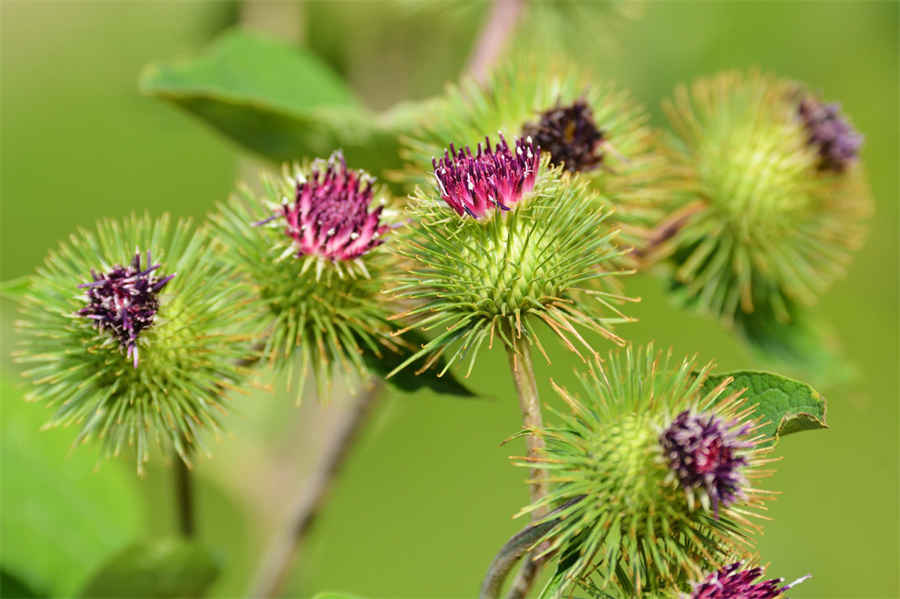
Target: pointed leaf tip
783,405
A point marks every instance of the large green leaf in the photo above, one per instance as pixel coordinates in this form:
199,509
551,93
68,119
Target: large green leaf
784,405
61,514
407,380
158,569
276,100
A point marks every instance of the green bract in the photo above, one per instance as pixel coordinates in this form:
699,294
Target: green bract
629,176
188,354
628,526
765,227
551,258
314,312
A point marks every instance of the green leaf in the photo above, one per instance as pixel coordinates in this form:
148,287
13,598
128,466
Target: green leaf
784,405
63,511
335,595
278,101
162,568
12,587
800,345
407,380
15,288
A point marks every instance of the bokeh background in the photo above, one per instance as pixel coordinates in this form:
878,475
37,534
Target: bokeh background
428,494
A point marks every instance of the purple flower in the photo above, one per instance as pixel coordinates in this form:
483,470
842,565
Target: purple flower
124,301
330,216
835,139
570,135
733,583
704,453
491,178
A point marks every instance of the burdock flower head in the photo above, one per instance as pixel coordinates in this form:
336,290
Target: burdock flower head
503,242
309,248
733,582
570,135
140,354
124,301
706,456
329,216
652,466
582,124
491,178
773,198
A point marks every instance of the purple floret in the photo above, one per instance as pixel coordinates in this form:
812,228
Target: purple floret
705,453
124,301
491,178
836,141
731,582
330,215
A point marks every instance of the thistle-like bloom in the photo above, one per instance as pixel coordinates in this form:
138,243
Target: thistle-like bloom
330,216
124,301
190,331
570,135
765,221
544,260
309,251
491,178
563,110
833,137
731,582
631,528
706,454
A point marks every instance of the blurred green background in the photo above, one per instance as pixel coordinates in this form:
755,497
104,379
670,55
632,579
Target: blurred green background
428,495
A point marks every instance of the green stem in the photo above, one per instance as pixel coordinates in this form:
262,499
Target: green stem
522,370
277,561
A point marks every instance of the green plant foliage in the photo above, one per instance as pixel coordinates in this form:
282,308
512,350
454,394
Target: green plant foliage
314,314
404,346
188,355
782,405
293,108
335,595
15,288
160,569
761,228
60,514
629,528
544,261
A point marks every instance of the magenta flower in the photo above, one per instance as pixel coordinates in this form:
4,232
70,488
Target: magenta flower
835,139
330,216
704,453
733,583
124,301
491,178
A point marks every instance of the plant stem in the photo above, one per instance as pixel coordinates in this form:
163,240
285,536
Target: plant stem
493,37
276,564
513,550
523,375
184,497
